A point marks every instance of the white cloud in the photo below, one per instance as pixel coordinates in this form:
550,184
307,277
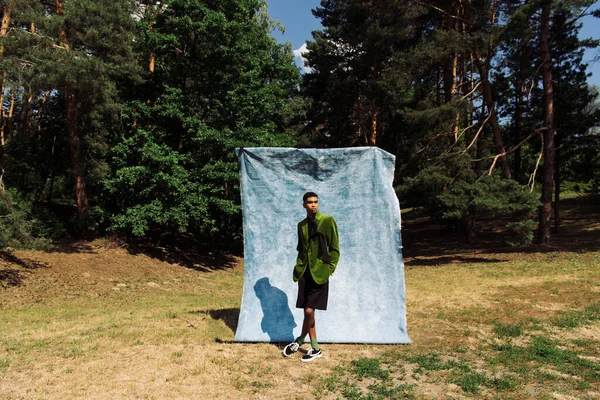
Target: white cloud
300,60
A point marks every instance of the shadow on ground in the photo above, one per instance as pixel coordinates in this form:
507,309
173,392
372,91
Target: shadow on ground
433,261
187,253
229,316
14,269
181,249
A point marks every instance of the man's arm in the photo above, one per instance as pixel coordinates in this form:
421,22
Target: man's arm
299,247
333,244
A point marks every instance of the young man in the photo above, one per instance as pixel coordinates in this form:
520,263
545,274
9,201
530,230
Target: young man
318,255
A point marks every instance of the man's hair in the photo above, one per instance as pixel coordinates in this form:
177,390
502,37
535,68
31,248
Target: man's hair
309,194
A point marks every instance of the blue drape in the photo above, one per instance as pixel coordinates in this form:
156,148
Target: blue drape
367,292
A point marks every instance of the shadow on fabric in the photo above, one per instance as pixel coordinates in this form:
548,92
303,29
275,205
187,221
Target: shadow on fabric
278,321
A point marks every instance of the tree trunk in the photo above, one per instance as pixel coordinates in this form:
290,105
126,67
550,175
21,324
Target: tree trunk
519,125
38,124
52,175
557,185
23,131
73,105
76,146
548,134
6,130
6,11
62,33
3,31
374,120
489,101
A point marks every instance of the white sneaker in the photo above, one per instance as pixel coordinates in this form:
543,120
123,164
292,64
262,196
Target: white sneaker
311,355
290,349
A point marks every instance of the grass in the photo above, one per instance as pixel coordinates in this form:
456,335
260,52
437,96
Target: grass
485,324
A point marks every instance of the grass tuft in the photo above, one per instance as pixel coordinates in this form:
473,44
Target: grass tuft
508,330
366,367
575,319
471,382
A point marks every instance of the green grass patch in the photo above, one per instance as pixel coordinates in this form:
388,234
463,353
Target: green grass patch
471,382
544,352
366,367
4,365
508,330
576,318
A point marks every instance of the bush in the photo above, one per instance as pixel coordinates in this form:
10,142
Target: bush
520,233
17,224
453,195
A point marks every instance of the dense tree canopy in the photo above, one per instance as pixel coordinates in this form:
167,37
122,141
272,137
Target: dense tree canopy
457,91
123,115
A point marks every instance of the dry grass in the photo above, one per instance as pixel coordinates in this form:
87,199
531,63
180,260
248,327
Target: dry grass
93,320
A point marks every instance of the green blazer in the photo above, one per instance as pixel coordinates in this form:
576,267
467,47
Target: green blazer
308,251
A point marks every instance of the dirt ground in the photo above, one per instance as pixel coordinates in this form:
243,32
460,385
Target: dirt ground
106,319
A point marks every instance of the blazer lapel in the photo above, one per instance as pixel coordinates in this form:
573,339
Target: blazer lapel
305,230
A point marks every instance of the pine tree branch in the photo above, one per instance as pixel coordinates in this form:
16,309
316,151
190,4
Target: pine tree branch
472,91
430,142
56,46
462,132
478,133
497,156
531,182
442,11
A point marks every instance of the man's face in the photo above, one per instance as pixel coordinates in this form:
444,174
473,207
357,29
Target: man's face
312,205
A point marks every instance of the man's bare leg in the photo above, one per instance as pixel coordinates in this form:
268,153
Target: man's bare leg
308,326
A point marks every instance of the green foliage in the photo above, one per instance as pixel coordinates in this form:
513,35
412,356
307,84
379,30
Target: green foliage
435,89
520,232
233,86
451,192
17,225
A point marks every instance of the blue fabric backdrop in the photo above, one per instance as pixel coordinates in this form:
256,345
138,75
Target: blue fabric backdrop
367,293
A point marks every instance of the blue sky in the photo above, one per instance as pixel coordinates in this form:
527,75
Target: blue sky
299,22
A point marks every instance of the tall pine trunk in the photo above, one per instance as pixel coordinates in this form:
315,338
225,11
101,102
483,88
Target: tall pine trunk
374,119
519,126
6,11
76,146
557,183
548,134
73,105
7,122
23,131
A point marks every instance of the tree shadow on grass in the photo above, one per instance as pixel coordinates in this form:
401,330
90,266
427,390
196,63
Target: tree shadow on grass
181,249
426,243
70,246
197,256
229,316
442,260
14,269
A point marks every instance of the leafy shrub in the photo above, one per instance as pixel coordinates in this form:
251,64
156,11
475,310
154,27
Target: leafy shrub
17,225
453,195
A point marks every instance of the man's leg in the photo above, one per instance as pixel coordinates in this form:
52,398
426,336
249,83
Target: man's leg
309,327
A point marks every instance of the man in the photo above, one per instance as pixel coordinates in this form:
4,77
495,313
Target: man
318,255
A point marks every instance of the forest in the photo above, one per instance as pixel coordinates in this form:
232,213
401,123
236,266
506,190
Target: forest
121,117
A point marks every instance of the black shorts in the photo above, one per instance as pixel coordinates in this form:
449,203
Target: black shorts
310,293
